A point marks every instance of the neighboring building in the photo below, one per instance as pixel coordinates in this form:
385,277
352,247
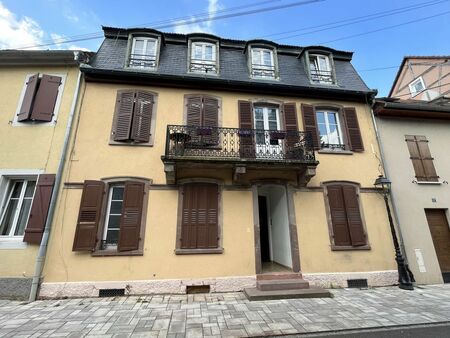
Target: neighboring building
414,136
38,90
422,78
190,167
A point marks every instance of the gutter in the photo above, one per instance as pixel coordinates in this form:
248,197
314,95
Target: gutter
40,259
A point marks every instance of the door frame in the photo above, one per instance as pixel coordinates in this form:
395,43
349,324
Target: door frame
269,222
289,190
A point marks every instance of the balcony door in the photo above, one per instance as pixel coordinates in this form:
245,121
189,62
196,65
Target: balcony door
267,122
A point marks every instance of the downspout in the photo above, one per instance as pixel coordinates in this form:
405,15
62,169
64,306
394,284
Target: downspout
40,259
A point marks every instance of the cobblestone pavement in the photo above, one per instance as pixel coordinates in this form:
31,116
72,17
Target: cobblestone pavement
223,315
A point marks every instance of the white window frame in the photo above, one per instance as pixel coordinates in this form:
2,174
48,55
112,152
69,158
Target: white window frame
108,213
145,39
261,65
202,60
327,125
413,83
56,110
329,68
273,148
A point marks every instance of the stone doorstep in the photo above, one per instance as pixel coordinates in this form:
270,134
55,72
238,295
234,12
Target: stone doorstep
282,284
255,294
278,276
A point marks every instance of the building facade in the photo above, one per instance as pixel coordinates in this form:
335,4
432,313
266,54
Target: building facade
202,161
413,126
38,93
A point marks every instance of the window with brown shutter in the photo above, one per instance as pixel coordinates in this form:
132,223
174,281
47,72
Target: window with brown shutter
39,101
199,218
247,146
134,117
310,124
345,219
421,158
202,119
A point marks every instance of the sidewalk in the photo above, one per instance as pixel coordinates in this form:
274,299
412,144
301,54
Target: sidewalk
226,315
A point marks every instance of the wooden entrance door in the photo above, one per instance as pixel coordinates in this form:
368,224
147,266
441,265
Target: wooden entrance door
440,233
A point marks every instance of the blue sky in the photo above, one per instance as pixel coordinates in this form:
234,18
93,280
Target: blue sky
25,23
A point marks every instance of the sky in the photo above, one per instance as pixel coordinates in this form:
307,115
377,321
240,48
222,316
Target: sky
420,27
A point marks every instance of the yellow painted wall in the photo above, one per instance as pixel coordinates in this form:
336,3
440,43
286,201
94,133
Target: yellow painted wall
30,146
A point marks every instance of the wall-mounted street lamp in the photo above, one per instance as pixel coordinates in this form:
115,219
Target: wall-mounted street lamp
404,278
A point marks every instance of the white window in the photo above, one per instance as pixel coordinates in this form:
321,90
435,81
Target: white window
417,86
263,64
203,57
113,215
143,53
329,129
267,123
16,207
320,69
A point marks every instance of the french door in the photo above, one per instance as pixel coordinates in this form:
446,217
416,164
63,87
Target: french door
267,122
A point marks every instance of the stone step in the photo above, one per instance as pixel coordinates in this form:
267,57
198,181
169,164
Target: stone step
279,275
282,284
255,294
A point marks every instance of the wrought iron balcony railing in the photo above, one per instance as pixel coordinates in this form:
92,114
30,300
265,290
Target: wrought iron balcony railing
216,143
142,61
203,66
321,76
263,71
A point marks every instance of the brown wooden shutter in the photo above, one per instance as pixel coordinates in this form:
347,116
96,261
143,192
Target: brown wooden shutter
338,215
310,125
130,222
210,117
426,158
355,224
45,100
123,115
28,99
290,124
247,147
143,107
89,216
39,209
194,111
199,227
353,130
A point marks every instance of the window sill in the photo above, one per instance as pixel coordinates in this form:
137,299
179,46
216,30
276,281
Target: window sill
428,183
12,243
336,152
106,253
130,144
350,248
198,251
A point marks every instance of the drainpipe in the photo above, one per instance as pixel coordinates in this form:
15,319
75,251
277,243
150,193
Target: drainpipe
40,259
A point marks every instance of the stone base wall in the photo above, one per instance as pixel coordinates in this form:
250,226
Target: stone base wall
339,279
15,288
144,287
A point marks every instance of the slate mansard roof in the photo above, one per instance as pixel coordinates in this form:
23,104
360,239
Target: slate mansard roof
233,67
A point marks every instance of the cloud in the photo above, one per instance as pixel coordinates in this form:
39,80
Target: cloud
58,41
190,26
16,32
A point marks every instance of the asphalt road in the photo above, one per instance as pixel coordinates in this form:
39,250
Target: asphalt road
414,331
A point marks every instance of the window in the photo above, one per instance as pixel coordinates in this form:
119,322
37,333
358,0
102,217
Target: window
320,69
203,58
329,130
198,229
344,215
143,53
121,229
40,99
262,63
417,86
421,158
134,118
202,120
16,209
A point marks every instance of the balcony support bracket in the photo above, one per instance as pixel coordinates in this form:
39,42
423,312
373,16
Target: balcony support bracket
238,173
305,176
170,170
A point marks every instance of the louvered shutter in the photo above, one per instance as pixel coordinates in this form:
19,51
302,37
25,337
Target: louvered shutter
89,216
130,222
355,225
246,134
45,100
28,99
338,215
39,209
290,124
199,227
210,117
416,158
427,159
310,125
140,131
194,111
123,115
353,130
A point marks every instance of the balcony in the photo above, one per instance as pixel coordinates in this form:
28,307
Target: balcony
263,71
243,150
142,61
321,76
203,66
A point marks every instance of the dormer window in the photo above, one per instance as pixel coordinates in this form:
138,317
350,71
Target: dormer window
143,53
203,58
320,69
262,63
417,86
